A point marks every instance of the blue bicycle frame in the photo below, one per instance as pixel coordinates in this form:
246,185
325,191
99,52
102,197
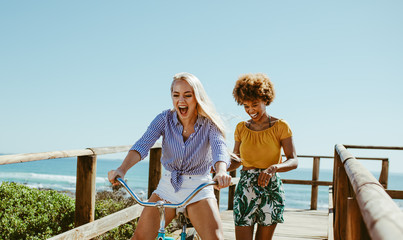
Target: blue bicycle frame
161,205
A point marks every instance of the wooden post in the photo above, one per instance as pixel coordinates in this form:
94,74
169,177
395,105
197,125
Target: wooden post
341,204
315,177
231,192
336,164
217,196
85,189
383,177
355,226
155,170
330,232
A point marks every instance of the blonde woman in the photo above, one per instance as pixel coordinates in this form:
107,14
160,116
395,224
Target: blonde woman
192,143
259,196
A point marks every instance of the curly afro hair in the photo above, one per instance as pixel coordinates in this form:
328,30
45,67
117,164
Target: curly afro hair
251,87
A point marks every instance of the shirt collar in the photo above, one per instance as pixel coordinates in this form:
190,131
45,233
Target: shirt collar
175,118
198,123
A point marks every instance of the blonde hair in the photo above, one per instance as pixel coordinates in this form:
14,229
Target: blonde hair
205,107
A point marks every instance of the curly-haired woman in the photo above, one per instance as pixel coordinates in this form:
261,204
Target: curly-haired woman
259,197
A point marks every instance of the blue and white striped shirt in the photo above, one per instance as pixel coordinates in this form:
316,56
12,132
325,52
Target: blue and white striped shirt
195,156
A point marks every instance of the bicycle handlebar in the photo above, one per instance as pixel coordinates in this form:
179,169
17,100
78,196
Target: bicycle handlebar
160,203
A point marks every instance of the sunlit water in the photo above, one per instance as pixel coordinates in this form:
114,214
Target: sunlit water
60,174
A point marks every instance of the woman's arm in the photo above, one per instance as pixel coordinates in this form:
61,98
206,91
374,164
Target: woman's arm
131,159
141,147
288,165
291,155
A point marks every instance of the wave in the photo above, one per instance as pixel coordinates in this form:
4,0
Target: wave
48,181
51,186
30,177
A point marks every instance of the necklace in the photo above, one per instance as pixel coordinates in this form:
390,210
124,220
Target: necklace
260,126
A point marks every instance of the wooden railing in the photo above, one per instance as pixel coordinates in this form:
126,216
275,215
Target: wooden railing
85,226
362,208
315,183
346,195
85,178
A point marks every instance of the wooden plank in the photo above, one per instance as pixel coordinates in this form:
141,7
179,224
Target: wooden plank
312,156
302,224
384,176
85,190
395,194
330,233
117,149
374,147
231,191
29,157
298,224
305,224
371,158
306,182
355,227
343,153
155,170
336,167
359,175
341,204
383,218
320,156
100,226
228,225
110,150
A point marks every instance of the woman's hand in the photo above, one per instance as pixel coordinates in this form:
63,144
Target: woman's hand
223,179
266,175
113,174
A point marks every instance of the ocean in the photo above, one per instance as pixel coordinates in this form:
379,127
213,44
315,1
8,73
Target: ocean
60,174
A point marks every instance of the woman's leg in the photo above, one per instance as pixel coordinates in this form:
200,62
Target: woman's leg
205,217
245,204
149,222
272,206
244,232
265,232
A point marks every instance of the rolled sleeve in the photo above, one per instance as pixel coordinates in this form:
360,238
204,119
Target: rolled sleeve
218,147
153,133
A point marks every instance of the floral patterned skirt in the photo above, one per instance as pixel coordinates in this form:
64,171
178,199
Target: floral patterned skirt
255,204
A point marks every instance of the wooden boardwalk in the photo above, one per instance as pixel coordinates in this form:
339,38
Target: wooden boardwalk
298,224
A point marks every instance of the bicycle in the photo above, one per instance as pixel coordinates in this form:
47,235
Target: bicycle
161,205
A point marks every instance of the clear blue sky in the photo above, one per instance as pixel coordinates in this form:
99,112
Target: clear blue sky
77,74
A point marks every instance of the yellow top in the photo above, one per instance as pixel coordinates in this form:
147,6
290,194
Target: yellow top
261,149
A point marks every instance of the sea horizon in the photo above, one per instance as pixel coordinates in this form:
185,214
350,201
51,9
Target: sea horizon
60,175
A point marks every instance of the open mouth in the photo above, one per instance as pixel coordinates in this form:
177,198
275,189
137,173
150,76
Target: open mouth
253,115
183,110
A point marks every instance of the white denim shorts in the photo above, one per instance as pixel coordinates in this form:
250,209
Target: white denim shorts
166,191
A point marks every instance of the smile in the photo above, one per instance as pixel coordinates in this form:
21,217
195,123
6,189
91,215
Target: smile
183,109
